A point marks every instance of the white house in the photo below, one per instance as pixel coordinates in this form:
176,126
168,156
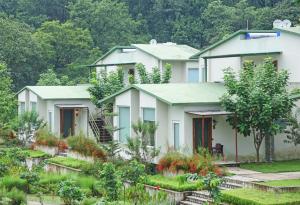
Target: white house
65,109
280,44
153,55
181,111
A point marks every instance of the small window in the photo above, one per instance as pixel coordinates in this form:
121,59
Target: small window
131,71
50,120
33,106
124,124
176,135
149,117
193,75
275,63
22,107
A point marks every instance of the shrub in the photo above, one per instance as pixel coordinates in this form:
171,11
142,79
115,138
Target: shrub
12,197
46,138
69,162
69,192
212,183
10,182
85,146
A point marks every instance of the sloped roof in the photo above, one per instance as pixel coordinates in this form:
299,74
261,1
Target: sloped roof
176,93
168,51
294,30
60,92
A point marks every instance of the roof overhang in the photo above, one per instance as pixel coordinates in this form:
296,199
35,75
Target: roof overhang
242,54
71,106
111,64
210,113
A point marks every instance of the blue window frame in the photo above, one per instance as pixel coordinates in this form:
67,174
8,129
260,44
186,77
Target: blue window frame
176,135
193,75
124,124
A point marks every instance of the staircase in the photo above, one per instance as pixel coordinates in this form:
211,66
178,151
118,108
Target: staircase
202,197
100,129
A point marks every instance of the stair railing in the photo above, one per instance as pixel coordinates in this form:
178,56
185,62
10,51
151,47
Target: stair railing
94,126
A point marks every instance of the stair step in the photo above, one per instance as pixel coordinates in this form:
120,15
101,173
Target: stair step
188,203
201,194
231,185
198,200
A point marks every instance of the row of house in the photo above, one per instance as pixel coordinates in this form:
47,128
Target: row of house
187,110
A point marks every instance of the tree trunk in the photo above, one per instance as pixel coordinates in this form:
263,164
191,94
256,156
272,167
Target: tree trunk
257,153
269,148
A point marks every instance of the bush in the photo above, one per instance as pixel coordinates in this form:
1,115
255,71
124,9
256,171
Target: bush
69,192
85,146
69,162
10,182
13,197
46,138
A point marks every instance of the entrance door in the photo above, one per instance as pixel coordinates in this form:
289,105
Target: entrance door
202,138
67,122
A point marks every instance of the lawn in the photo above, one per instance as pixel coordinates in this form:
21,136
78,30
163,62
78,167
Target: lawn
69,162
274,167
287,182
36,154
173,183
256,197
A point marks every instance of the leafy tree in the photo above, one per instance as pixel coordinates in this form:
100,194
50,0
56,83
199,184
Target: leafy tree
155,77
69,192
293,129
21,52
8,102
50,78
259,99
66,47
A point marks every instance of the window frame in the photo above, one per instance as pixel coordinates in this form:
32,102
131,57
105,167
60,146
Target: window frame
119,132
147,121
173,133
187,76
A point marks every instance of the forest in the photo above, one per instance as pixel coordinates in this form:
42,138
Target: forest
58,38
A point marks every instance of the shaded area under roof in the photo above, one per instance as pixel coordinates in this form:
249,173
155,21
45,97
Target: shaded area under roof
60,92
184,93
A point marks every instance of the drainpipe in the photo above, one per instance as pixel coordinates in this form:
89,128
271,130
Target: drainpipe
205,71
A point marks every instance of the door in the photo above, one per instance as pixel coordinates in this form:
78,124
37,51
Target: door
202,138
67,122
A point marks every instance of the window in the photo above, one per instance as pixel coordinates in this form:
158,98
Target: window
193,75
124,124
22,107
149,117
33,106
176,135
50,120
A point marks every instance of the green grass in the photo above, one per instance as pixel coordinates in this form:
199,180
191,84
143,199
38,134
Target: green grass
69,162
286,182
37,154
257,197
172,183
46,199
274,167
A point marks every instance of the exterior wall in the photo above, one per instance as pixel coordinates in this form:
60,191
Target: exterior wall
192,64
286,43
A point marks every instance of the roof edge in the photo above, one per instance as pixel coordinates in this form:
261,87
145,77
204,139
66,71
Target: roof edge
110,51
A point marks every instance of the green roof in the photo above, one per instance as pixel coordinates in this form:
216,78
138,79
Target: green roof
112,50
175,93
60,92
227,39
168,51
293,30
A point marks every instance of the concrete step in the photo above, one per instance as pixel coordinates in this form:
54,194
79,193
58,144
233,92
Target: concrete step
197,200
231,185
201,194
188,203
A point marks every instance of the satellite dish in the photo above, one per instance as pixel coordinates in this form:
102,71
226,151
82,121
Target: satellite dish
277,23
153,42
286,23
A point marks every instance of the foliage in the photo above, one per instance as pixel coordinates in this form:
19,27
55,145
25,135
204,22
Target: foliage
274,167
156,77
212,183
201,163
106,84
68,162
134,173
11,182
69,192
12,160
31,178
255,197
174,183
86,146
50,78
46,138
292,130
138,146
36,154
28,122
112,149
282,183
12,197
259,99
110,179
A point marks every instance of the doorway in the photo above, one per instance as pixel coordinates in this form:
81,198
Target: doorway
202,137
66,122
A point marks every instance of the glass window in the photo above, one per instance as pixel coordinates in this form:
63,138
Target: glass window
176,135
33,106
124,124
22,107
50,120
149,117
193,75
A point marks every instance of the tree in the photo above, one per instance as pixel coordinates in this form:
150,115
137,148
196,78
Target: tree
293,129
259,100
155,77
21,52
70,192
7,102
50,78
66,47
